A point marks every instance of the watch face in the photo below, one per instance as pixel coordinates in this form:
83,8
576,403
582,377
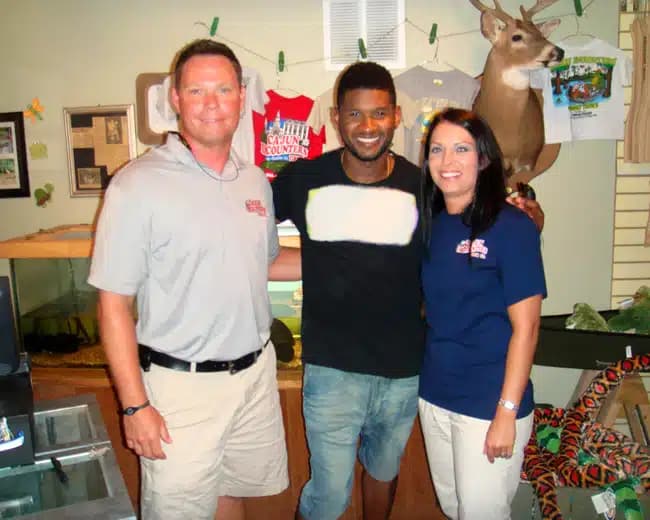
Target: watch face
130,410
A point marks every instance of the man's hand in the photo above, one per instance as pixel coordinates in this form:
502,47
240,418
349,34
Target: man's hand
144,430
531,208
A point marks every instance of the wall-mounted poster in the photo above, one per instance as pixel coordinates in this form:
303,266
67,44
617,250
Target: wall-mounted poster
14,181
99,141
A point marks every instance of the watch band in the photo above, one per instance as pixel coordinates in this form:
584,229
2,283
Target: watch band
130,410
508,405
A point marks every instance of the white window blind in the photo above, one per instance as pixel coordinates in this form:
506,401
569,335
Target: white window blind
378,22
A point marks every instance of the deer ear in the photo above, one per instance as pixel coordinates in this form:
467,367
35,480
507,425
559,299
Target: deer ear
548,27
491,26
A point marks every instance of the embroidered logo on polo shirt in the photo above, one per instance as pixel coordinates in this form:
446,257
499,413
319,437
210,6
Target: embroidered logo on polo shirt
255,206
479,249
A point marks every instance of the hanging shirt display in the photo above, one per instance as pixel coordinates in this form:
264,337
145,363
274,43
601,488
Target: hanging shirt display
243,141
320,118
283,133
583,94
422,93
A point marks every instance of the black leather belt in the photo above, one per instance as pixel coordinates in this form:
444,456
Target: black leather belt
148,356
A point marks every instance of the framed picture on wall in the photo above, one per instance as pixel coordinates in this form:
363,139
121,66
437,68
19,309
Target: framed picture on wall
155,114
14,181
99,141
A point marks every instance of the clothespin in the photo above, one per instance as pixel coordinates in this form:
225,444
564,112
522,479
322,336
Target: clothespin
433,33
578,7
213,27
281,61
362,48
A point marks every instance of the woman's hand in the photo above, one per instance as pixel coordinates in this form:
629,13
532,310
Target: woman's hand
500,438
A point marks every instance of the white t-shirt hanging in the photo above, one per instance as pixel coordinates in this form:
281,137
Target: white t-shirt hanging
243,142
422,94
583,95
319,117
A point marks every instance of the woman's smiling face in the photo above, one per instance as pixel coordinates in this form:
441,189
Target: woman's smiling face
454,165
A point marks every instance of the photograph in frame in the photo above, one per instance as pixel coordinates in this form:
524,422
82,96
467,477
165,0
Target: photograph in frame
100,140
14,180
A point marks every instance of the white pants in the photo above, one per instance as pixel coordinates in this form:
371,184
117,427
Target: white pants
467,485
227,439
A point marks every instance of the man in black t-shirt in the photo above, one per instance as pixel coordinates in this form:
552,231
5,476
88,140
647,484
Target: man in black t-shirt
356,209
362,334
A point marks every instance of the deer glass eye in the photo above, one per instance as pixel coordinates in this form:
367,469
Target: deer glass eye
517,38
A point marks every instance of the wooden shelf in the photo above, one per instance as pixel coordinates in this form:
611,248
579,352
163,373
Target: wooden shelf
70,241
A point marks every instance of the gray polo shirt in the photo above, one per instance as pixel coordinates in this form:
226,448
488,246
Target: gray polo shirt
194,246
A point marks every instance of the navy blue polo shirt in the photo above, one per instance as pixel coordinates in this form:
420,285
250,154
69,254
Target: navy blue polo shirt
466,309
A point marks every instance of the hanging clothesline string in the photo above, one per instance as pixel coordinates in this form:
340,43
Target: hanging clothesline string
242,47
377,40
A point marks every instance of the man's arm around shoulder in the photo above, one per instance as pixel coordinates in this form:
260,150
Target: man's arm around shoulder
287,265
144,429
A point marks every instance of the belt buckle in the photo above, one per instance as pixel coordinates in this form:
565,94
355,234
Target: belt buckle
232,368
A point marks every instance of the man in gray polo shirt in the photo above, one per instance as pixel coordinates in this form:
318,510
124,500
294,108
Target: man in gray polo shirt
188,230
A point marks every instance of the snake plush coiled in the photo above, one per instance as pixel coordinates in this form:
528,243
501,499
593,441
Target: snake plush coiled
618,456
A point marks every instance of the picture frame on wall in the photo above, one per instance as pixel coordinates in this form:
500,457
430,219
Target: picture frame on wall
99,141
155,114
14,180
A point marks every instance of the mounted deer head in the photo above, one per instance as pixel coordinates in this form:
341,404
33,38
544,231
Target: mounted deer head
506,100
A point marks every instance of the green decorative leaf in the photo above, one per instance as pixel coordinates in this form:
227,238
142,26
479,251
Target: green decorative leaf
42,197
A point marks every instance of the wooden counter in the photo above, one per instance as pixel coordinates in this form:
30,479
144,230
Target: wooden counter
415,498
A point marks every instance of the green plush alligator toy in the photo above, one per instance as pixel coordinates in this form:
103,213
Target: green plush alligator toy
635,318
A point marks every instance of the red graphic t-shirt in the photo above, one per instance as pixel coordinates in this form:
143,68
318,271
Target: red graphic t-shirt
283,134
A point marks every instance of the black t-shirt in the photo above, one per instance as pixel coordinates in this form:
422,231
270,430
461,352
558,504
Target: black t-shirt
361,255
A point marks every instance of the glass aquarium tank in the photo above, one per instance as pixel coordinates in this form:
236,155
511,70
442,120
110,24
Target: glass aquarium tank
56,308
75,474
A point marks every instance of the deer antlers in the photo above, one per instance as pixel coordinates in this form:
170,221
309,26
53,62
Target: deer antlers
497,11
527,14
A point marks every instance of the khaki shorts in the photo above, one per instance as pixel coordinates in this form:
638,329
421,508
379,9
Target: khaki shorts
227,439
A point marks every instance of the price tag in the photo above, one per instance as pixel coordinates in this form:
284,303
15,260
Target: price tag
605,503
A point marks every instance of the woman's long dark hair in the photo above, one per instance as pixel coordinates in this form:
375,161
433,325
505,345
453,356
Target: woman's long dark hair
490,191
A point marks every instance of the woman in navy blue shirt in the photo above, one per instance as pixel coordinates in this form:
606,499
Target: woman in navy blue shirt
483,283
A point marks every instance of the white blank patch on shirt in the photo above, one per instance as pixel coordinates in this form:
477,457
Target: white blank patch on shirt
382,216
